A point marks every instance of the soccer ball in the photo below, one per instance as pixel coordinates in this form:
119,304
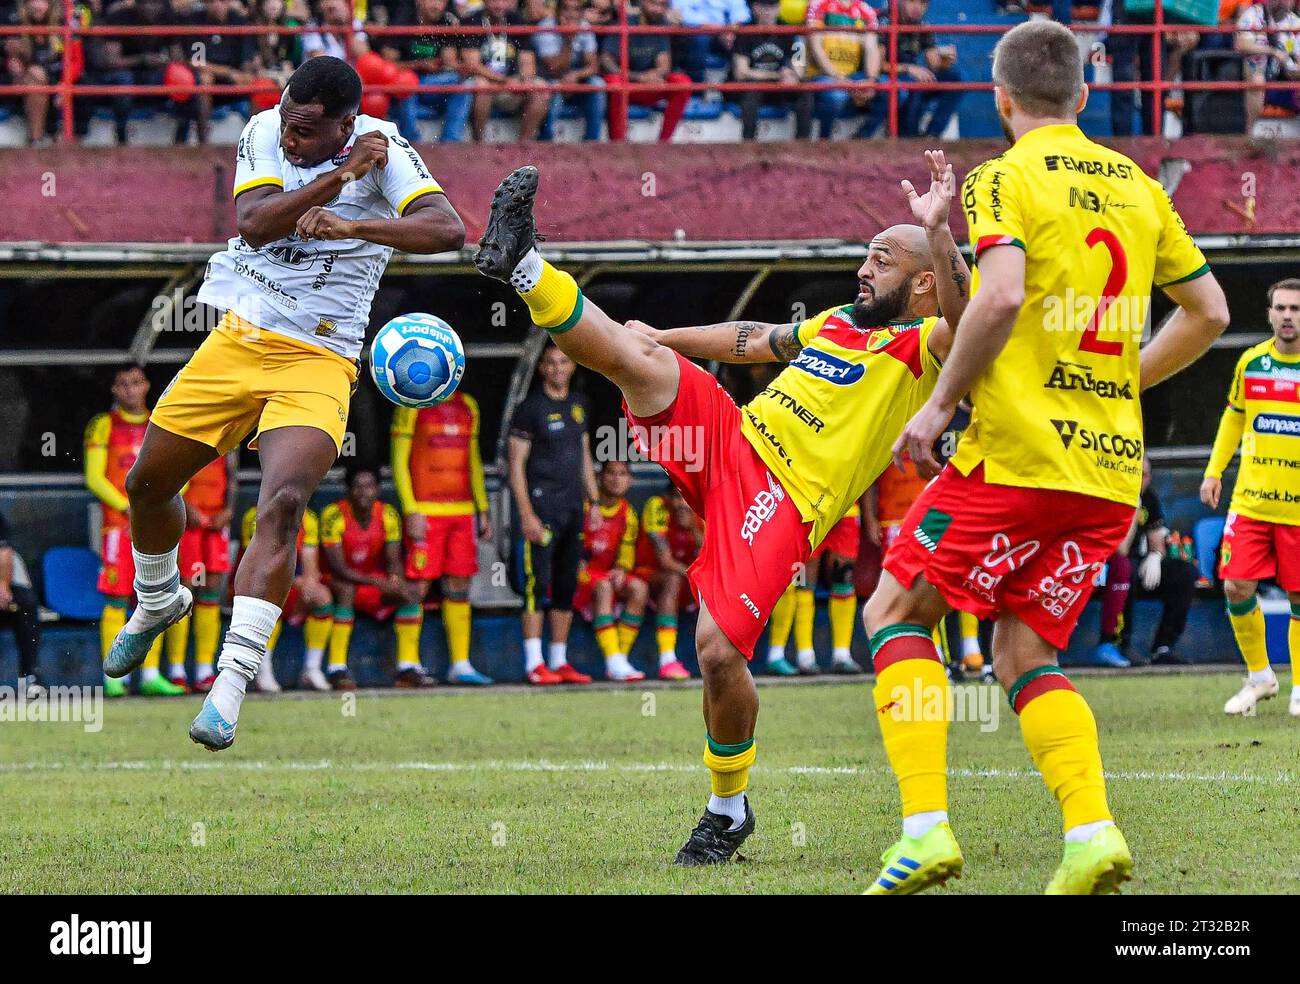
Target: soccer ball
417,360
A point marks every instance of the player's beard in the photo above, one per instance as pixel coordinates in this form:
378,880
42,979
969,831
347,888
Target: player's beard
881,309
1009,133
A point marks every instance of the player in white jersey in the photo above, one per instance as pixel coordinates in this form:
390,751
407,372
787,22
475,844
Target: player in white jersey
322,197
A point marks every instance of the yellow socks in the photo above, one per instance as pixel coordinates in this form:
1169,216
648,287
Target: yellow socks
729,765
1061,735
805,608
843,607
207,634
455,621
606,635
406,626
177,637
340,637
111,621
316,630
629,627
666,635
912,706
779,625
1248,626
555,302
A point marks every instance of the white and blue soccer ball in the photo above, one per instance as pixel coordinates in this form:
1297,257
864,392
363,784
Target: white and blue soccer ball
417,360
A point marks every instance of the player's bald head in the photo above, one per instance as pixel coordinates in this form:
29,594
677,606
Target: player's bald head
907,244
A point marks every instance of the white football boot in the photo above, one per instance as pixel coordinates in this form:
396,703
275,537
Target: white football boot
1250,694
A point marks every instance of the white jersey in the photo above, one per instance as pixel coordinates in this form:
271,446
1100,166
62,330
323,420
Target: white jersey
318,291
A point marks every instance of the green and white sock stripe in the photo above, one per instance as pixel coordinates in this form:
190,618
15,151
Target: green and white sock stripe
893,632
727,751
1240,608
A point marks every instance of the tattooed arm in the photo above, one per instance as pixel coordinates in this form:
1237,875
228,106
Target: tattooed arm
952,283
730,341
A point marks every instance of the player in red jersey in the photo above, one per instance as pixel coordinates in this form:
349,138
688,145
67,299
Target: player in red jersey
112,444
204,560
670,541
361,538
605,578
1069,236
438,474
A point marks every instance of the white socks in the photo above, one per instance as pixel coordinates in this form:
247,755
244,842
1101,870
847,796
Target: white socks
618,668
312,658
157,580
970,646
532,654
671,657
1084,831
729,806
252,621
1262,676
842,656
807,659
525,276
202,671
558,655
228,693
775,653
148,673
919,824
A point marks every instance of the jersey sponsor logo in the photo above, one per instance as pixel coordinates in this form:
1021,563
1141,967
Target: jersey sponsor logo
1282,424
1107,169
766,501
1114,452
272,288
800,412
984,577
1071,376
749,603
413,157
825,366
995,196
341,157
326,269
1061,590
290,256
1092,202
761,429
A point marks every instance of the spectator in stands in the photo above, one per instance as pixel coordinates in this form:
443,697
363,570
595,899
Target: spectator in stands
505,58
569,59
1268,34
220,57
1131,61
361,538
550,474
18,607
920,59
850,54
769,58
337,32
649,62
718,14
137,59
438,59
275,55
1170,579
34,60
601,13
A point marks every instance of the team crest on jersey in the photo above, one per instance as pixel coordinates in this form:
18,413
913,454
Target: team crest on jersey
326,327
577,413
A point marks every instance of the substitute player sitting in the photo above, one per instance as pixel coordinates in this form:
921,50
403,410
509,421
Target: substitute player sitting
361,537
605,579
309,603
670,540
438,474
323,196
1069,236
1262,536
770,480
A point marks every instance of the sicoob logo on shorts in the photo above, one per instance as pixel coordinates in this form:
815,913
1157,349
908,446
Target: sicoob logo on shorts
825,366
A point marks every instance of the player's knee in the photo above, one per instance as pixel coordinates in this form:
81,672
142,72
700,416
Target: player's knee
714,650
144,487
281,515
1238,591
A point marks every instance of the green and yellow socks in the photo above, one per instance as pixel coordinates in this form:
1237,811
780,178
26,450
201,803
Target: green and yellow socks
1248,626
729,767
551,294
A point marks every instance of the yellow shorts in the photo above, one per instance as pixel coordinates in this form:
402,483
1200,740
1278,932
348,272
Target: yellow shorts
243,378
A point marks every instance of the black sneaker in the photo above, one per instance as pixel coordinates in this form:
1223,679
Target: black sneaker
414,678
712,841
511,230
1164,656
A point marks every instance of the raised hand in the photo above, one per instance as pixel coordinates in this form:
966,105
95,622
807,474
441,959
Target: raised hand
931,209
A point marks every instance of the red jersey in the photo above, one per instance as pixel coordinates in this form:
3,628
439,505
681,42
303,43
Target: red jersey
121,435
609,537
207,490
363,545
656,517
436,463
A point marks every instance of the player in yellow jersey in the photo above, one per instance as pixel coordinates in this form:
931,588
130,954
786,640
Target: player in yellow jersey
1262,535
1069,236
770,479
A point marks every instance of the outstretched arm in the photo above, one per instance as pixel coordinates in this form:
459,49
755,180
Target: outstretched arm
952,276
729,341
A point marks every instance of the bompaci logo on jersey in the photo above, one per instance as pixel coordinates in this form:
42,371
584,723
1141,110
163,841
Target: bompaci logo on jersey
832,369
1282,424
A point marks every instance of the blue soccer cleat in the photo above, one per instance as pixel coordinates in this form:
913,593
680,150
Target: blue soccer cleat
211,730
782,667
1108,654
469,677
130,648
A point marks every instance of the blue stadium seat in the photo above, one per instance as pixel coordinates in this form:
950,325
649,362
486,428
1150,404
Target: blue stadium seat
698,109
70,574
1206,535
638,112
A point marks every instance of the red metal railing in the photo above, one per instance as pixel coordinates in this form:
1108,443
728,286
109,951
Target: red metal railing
70,33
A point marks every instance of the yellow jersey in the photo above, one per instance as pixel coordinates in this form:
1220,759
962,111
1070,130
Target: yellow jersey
1263,418
826,425
1059,407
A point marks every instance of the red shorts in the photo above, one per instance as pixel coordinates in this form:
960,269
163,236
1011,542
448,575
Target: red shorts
448,548
585,595
991,549
203,552
369,600
1254,550
116,565
754,538
842,539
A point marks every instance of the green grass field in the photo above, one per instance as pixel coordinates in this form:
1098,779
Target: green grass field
593,791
